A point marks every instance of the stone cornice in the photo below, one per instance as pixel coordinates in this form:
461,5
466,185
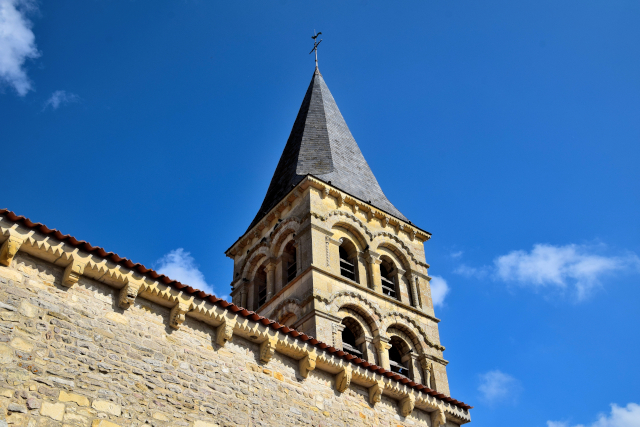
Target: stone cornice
341,197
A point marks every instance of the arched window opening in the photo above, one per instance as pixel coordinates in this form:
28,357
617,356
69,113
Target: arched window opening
399,350
387,277
348,260
351,335
261,286
288,319
291,265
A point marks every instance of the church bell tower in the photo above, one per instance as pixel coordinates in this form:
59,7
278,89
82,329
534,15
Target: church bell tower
328,254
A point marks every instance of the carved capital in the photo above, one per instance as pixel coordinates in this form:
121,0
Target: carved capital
73,272
308,363
375,392
224,332
268,349
129,293
372,257
343,379
381,343
9,249
438,418
178,313
407,404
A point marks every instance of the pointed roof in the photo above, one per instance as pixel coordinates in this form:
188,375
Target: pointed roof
320,144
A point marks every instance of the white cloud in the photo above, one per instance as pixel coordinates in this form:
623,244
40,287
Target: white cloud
456,254
60,97
628,416
574,267
179,265
17,44
577,269
498,387
439,290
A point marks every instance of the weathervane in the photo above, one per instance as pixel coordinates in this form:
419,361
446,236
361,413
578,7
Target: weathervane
315,46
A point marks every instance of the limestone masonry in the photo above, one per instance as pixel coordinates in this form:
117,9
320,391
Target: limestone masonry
331,323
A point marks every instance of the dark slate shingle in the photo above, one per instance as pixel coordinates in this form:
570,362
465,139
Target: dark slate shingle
320,144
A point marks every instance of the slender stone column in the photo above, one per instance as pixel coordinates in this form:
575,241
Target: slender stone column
270,268
412,281
243,296
427,371
373,258
383,346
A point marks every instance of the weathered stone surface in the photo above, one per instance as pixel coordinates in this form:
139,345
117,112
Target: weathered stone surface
116,317
6,353
108,407
27,309
205,424
72,397
104,423
33,403
15,407
52,410
21,344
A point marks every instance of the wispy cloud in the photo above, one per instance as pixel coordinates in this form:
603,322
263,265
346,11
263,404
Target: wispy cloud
17,44
628,416
498,387
456,254
59,98
439,290
181,266
578,269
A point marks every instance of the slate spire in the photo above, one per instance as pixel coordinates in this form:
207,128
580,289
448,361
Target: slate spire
320,144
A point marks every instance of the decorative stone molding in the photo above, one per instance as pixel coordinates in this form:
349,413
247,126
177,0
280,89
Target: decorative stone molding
395,317
178,314
290,305
353,218
9,249
407,250
343,379
407,404
375,392
129,293
224,332
268,349
73,272
308,363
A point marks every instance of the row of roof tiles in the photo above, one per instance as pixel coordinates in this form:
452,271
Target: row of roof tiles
251,315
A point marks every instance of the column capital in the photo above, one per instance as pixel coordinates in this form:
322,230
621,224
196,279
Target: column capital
372,257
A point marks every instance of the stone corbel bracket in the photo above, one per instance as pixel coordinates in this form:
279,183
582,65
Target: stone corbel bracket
375,392
224,332
268,349
10,248
73,271
343,379
407,404
178,314
308,363
129,293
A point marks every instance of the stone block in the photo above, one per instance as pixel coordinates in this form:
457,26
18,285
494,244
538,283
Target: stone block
117,317
72,397
27,309
104,423
108,407
21,344
6,353
204,424
52,410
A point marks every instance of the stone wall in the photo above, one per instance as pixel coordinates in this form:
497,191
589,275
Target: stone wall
71,357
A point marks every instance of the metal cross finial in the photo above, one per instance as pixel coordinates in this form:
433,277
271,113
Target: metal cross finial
315,46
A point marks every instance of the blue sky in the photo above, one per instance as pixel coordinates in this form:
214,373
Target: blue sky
508,129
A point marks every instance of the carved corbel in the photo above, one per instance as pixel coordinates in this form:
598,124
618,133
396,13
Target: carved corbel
385,221
73,272
339,200
224,332
268,349
438,418
407,404
325,192
412,235
375,392
308,363
354,207
343,379
178,314
129,293
9,249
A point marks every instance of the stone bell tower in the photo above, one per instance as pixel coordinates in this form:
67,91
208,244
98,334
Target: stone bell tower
330,256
